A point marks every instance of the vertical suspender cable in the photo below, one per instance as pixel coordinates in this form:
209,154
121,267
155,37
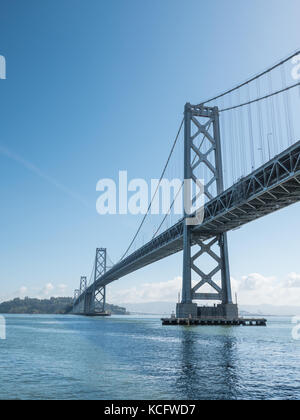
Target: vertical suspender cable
241,137
224,145
272,110
251,131
279,116
260,123
287,107
231,143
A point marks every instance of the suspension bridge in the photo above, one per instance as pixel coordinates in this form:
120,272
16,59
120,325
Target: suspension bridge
245,146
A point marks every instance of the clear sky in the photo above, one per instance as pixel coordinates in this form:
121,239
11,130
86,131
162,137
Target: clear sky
96,86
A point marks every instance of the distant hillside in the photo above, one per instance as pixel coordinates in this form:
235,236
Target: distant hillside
60,305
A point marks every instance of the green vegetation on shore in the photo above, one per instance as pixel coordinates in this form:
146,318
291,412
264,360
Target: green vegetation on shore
59,305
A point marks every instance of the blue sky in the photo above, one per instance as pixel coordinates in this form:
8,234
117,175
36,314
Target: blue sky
96,87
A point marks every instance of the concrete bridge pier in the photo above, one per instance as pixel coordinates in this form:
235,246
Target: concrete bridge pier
191,310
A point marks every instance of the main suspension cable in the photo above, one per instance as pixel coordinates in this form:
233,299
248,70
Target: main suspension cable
253,78
261,98
154,195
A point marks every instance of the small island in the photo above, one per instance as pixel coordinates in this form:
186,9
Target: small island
52,306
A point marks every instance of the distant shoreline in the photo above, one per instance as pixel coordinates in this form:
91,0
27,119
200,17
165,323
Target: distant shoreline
51,306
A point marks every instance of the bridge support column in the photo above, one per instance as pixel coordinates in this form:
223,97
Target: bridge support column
83,284
75,302
96,301
202,156
79,297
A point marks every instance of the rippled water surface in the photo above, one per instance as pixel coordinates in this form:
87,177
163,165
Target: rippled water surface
66,357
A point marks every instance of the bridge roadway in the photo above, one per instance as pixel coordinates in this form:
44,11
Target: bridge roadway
272,187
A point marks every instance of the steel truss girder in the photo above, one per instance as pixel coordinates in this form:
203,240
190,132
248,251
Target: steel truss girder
268,189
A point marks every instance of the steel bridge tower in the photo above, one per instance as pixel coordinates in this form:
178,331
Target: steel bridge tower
83,284
90,300
201,125
99,295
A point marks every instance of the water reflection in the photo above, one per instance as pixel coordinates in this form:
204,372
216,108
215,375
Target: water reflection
208,364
